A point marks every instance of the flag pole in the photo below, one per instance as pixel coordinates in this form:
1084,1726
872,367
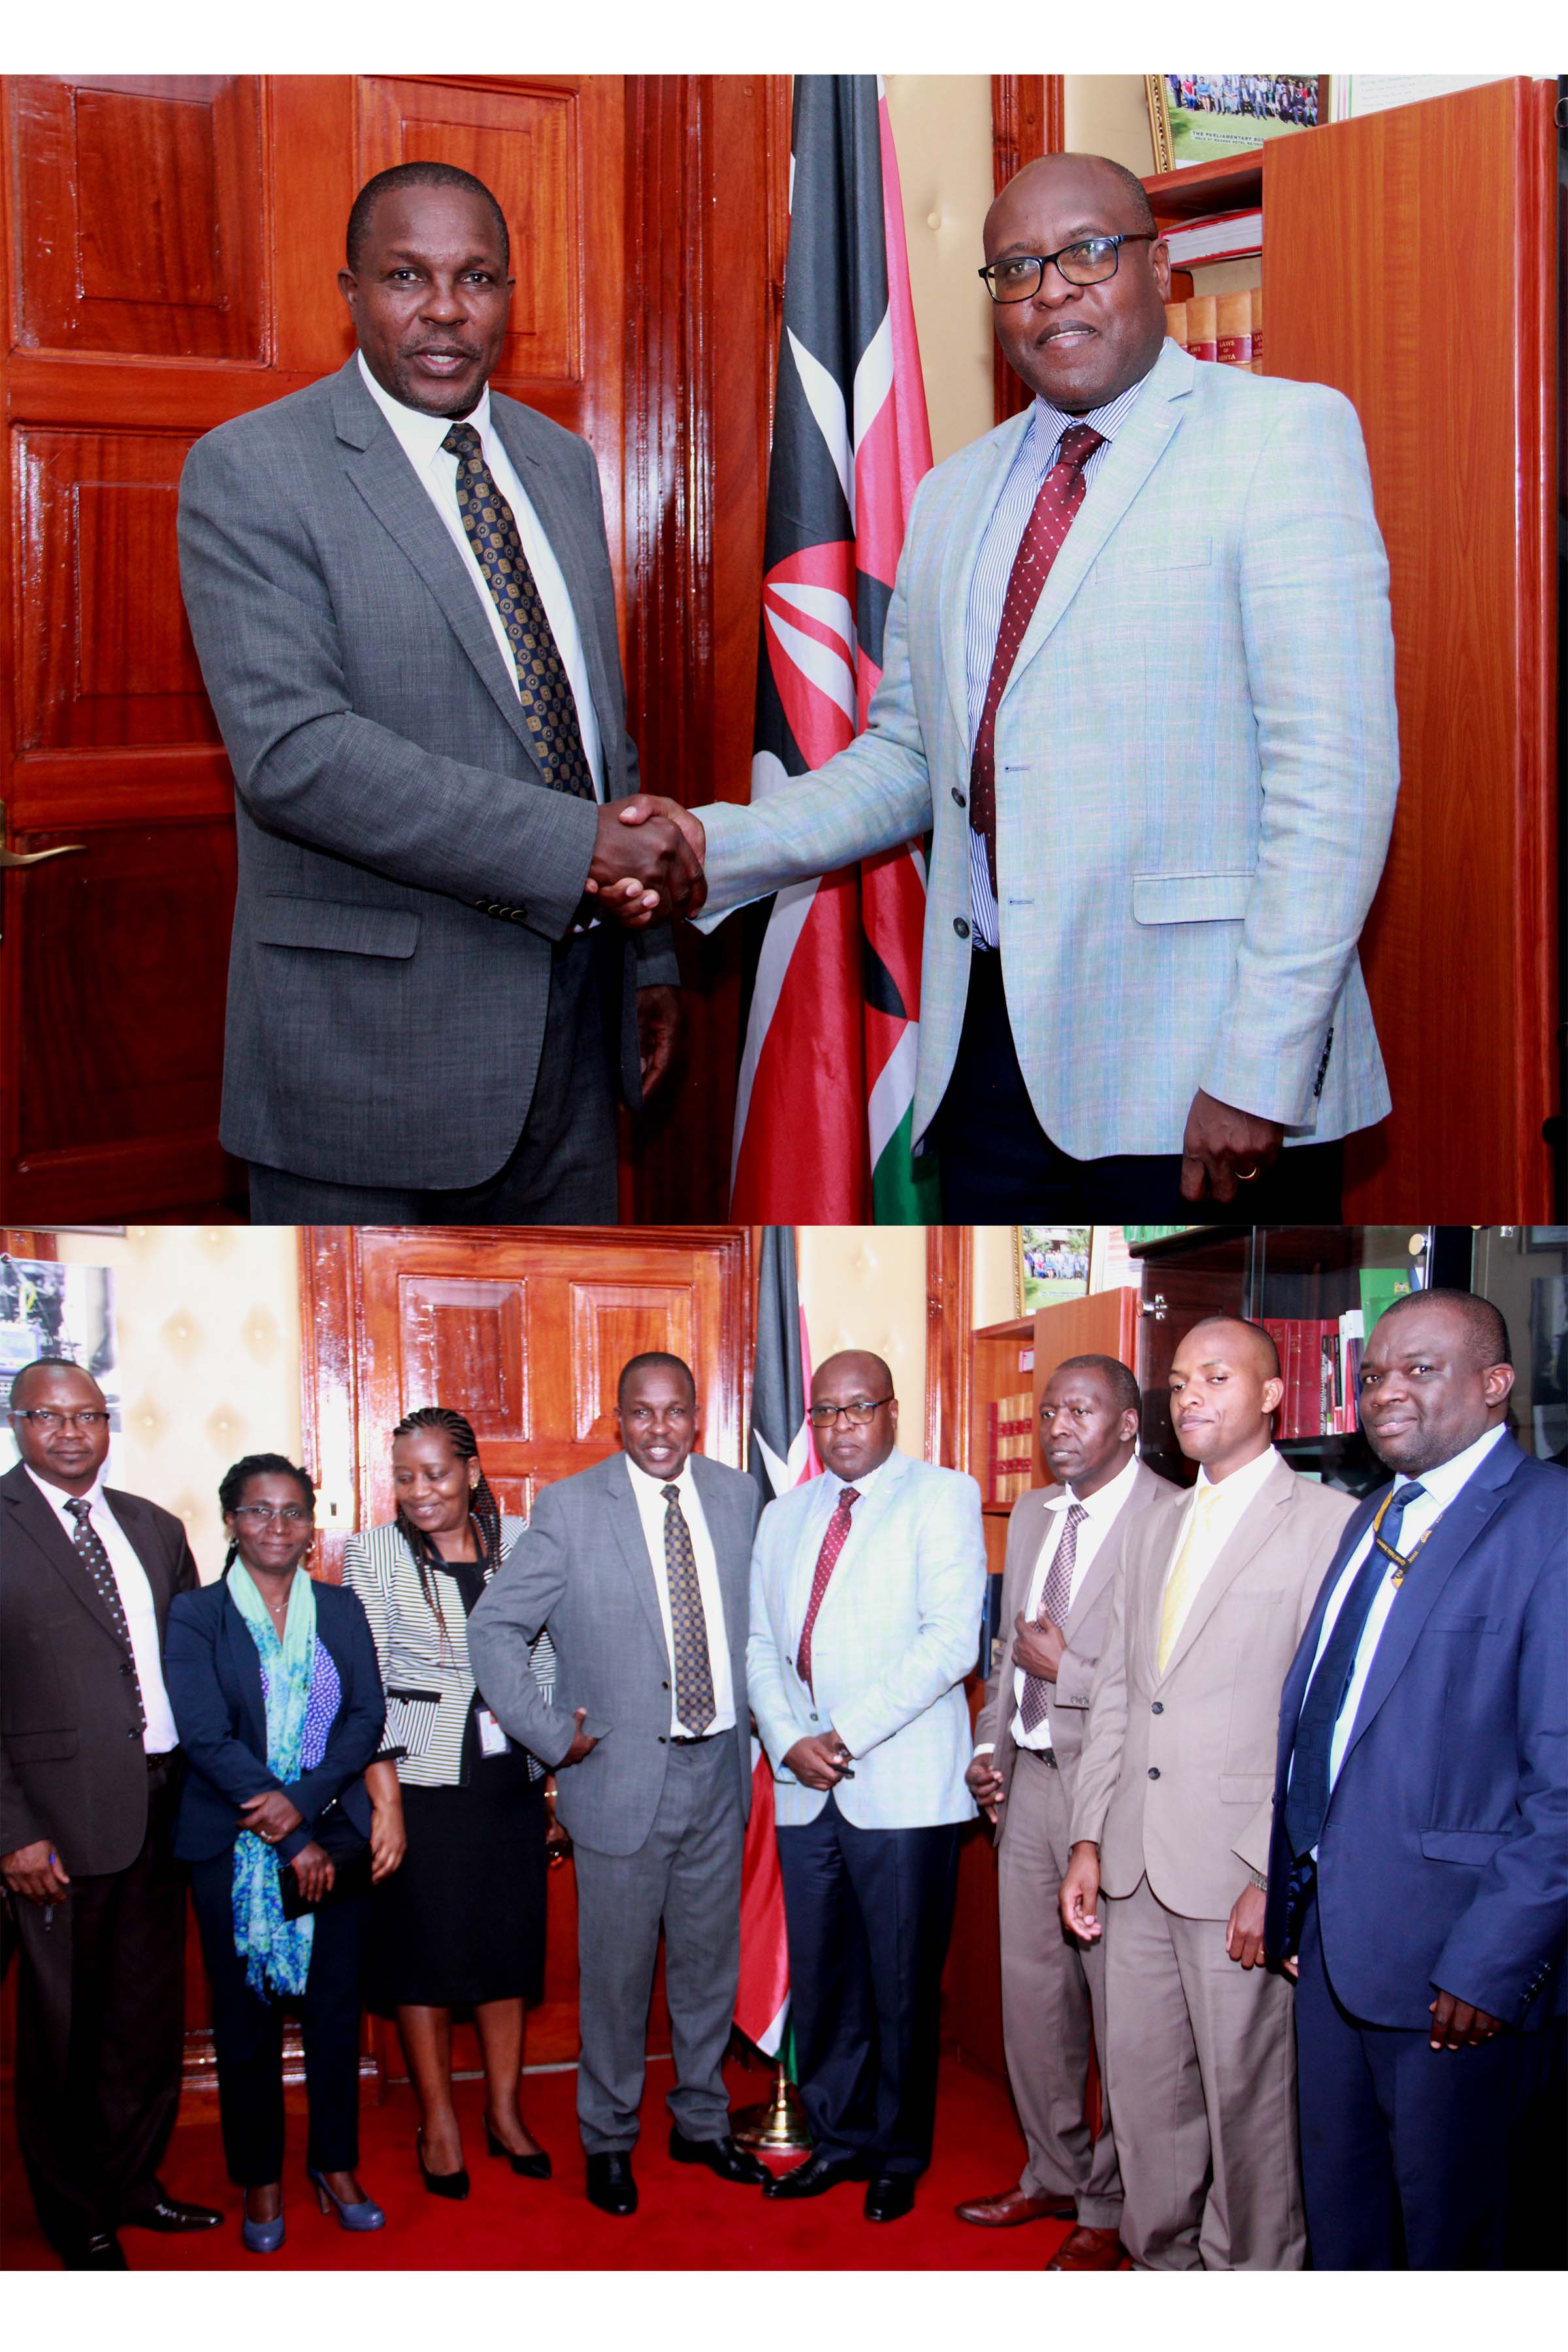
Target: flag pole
778,2125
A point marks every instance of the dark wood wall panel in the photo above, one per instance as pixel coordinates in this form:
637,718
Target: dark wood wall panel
140,214
106,654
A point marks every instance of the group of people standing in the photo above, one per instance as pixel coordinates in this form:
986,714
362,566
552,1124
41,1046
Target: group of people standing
1281,1837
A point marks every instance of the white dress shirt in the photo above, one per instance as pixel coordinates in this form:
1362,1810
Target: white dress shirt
135,1599
1102,1508
421,437
1232,1496
652,1505
1439,1487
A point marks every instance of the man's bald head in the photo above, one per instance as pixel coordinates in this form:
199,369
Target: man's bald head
1252,1336
1225,1388
857,1363
1054,171
1485,1338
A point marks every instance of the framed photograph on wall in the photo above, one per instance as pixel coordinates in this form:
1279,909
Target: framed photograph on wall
1208,118
1050,1262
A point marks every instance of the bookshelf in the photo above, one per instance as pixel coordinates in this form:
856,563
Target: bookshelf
1360,223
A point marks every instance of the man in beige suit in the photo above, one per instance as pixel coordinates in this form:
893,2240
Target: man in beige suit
1056,1600
1171,1822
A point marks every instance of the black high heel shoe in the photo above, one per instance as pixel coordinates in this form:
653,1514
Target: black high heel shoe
532,2167
440,2184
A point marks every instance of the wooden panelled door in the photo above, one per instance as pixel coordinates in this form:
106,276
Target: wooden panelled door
176,241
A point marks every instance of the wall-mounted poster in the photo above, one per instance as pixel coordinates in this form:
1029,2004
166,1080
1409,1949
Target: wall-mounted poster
1209,118
49,1309
1050,1262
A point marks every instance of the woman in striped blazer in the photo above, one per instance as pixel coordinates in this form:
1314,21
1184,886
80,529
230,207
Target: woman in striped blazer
461,1922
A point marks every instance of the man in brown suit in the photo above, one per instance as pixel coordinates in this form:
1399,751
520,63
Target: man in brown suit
1171,1817
1062,1544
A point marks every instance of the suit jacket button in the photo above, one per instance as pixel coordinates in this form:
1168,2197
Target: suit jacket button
125,1670
959,798
1158,1707
133,1733
663,1685
662,1741
961,927
813,1719
1153,1771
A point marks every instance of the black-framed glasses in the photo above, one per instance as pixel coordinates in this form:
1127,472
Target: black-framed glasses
90,1417
859,1410
261,1514
1089,262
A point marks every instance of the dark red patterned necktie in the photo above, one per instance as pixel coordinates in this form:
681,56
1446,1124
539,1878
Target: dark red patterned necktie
1061,495
833,1543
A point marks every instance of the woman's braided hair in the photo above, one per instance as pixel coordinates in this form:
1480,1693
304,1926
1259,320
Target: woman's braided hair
482,1504
259,1466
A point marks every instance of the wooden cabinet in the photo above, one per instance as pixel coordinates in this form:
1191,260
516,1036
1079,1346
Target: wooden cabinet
1409,259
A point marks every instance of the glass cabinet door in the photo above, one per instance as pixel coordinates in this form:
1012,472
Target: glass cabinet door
1524,1270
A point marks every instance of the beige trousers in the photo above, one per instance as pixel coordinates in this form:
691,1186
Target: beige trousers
1200,2062
1051,1986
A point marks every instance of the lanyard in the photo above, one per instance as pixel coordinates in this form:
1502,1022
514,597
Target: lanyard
1401,1559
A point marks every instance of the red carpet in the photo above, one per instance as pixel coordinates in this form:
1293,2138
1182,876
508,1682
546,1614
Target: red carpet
686,2220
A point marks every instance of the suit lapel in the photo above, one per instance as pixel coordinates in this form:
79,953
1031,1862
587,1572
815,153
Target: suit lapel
136,1523
245,1660
377,466
626,1522
1461,1523
1259,1523
1134,454
864,1521
974,503
1100,1567
732,1555
561,518
57,1548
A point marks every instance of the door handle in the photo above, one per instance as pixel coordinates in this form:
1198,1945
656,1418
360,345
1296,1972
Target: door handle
9,857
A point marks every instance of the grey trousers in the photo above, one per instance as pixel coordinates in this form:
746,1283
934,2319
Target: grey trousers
686,1872
1200,2061
561,1170
1051,1986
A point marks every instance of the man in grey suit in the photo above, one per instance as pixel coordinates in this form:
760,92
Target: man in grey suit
640,1568
399,587
1063,1544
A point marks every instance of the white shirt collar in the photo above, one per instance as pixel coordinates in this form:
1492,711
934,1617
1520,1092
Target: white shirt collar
1242,1484
1444,1482
835,1484
1051,423
57,1496
1106,1501
420,434
681,1478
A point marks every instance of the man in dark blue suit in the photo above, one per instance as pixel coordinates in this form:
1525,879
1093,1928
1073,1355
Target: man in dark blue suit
1418,1878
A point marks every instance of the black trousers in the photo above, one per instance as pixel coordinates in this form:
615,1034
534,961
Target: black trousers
1410,2156
100,2013
561,1169
1000,1167
248,2036
867,1914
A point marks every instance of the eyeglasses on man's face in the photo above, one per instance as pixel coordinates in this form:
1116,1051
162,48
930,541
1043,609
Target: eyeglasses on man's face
261,1514
91,1418
859,1410
1089,262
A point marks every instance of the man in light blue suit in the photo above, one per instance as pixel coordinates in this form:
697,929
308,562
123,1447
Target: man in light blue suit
866,1593
1139,689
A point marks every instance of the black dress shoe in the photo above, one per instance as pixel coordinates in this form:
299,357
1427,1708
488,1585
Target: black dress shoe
167,2215
816,2175
610,2184
102,2251
889,2196
454,2184
721,2156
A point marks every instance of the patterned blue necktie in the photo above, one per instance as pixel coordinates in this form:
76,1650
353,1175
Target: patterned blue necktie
1307,1803
544,687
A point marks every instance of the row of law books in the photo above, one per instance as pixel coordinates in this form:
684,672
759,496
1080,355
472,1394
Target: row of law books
1223,327
1009,1447
1320,1362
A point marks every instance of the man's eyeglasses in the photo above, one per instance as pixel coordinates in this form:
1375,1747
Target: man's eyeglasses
860,1411
91,1418
261,1514
1089,262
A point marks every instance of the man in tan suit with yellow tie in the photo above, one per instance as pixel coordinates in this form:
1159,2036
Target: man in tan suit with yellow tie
1170,1824
1055,1604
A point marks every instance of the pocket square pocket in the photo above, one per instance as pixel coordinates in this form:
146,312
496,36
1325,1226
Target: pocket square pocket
1191,898
341,929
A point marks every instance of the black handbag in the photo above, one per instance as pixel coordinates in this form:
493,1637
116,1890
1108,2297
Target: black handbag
347,1849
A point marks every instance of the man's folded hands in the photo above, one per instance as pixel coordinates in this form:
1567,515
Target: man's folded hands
648,862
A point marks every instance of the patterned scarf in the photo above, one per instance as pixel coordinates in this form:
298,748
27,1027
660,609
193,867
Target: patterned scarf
277,1951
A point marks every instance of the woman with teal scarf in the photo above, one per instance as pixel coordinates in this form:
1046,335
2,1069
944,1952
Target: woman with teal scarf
274,1685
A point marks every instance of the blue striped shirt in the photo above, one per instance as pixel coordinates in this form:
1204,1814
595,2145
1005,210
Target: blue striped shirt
1038,453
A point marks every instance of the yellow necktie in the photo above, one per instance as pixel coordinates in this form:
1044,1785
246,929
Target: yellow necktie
1188,1573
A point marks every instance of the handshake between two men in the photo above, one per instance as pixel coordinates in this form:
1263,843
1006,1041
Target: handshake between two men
648,862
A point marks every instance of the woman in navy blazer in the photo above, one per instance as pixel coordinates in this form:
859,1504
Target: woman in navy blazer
237,1654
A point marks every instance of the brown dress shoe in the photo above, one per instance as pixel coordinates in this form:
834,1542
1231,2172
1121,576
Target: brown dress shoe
1014,2206
1088,2250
